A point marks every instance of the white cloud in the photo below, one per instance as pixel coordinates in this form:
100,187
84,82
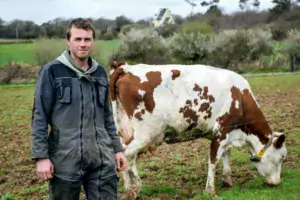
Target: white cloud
41,11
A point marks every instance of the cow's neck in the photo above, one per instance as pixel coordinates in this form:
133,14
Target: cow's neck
255,144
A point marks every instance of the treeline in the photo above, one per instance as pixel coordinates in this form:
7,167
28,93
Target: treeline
284,16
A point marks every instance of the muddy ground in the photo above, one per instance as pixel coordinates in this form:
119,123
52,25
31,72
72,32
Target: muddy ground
179,168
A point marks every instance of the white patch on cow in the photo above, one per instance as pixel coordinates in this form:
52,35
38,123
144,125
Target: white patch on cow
141,92
237,104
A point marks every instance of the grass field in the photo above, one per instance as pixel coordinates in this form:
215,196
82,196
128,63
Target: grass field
25,52
178,171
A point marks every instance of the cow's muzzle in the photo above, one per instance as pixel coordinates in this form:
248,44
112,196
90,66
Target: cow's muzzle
272,182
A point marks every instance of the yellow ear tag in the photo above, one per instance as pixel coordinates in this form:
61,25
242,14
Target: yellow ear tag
261,153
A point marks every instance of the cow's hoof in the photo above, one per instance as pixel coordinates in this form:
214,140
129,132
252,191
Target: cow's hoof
210,191
131,195
227,182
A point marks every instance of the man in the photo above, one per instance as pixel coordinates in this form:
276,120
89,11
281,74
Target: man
83,147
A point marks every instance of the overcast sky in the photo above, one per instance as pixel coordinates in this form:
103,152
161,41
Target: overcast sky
41,11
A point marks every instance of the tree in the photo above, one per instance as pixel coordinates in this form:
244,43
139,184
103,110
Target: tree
249,5
214,10
122,21
281,6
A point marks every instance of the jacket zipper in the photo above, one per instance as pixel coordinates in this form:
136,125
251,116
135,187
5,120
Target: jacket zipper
81,126
94,108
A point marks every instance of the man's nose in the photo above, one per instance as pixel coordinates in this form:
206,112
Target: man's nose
82,43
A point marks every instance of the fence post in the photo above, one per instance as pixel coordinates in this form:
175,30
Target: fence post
292,63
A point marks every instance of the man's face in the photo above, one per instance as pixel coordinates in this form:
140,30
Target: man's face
81,42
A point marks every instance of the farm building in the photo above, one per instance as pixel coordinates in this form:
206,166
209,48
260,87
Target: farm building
163,17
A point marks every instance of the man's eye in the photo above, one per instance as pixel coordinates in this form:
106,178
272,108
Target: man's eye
77,39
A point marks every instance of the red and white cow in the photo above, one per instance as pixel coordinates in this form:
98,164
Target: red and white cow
152,103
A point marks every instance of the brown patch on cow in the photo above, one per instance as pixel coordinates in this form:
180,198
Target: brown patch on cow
188,113
175,74
143,111
189,102
248,117
258,124
193,116
138,115
154,79
214,146
197,88
118,73
128,86
196,102
205,107
211,99
129,140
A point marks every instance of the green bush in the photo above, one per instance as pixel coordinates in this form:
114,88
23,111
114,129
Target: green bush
196,27
280,31
18,73
230,49
292,46
167,30
125,29
189,47
141,46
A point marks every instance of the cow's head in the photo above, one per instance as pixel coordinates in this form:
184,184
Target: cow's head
269,160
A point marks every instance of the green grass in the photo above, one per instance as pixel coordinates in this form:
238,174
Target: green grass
255,189
25,52
31,190
274,83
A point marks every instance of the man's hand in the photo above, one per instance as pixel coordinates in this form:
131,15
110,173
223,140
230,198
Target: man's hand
121,161
45,169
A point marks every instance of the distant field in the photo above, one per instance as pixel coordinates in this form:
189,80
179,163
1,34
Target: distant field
103,49
16,52
25,52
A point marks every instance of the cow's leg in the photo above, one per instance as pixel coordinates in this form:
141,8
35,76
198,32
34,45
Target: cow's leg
216,152
226,179
132,181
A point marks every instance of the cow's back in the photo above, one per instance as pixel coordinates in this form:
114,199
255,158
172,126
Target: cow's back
188,95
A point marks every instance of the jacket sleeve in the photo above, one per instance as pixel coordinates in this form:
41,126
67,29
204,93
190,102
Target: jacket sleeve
43,99
110,125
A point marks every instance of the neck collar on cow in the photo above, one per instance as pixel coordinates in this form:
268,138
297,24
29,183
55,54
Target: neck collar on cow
260,154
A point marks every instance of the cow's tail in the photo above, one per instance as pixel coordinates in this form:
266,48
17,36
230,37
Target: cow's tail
113,81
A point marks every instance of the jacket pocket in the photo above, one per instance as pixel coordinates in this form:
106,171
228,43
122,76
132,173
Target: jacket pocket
101,90
64,90
53,141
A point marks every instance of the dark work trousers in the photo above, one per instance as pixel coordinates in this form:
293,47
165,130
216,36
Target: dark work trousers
95,188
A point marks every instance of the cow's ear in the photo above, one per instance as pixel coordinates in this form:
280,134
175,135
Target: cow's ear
279,141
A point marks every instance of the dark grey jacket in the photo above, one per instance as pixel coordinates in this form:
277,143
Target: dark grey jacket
82,137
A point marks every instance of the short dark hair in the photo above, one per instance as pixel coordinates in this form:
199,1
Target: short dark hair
80,23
